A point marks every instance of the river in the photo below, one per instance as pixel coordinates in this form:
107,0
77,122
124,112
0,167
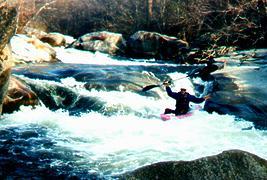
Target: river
95,123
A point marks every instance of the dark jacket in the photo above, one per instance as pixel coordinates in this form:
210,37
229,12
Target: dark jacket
182,100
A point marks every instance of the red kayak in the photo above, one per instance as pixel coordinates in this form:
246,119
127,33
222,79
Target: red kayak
166,117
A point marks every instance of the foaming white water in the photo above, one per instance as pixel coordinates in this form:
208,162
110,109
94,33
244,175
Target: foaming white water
72,55
125,142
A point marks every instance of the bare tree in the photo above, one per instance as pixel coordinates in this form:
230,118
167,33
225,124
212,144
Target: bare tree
228,20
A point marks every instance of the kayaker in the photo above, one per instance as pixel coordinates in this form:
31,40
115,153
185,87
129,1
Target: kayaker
182,100
205,72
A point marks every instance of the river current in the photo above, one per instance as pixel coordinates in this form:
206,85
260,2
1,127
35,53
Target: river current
98,124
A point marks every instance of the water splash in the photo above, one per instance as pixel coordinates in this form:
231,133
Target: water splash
119,143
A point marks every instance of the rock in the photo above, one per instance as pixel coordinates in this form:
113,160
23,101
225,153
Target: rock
18,94
144,44
31,32
32,50
8,20
232,164
54,39
106,42
4,80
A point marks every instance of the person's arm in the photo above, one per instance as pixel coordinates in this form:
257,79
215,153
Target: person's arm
169,90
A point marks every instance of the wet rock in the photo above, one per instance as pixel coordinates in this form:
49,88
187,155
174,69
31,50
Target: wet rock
54,97
8,26
18,94
144,44
4,81
233,164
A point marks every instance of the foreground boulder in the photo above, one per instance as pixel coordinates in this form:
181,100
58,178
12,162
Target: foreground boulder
18,94
144,44
233,164
8,21
106,42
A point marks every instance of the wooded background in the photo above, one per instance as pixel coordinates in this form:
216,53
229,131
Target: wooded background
221,22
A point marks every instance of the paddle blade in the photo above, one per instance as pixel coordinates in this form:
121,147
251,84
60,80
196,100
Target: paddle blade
146,88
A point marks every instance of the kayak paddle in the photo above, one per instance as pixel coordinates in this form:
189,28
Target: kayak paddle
146,88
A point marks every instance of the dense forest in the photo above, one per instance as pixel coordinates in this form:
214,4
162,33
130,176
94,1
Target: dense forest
200,22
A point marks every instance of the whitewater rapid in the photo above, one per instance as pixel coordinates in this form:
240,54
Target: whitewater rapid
119,143
125,141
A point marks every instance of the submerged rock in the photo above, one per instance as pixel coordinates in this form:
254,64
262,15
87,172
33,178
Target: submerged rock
233,164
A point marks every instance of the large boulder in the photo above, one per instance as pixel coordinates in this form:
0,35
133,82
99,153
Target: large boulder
145,44
233,164
52,38
8,20
106,42
18,94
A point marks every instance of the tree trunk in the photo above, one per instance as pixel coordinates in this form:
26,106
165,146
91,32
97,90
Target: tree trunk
149,5
162,13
